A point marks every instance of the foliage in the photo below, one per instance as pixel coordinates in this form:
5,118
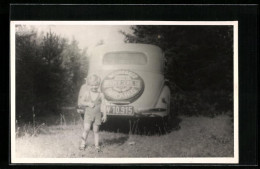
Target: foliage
49,71
199,64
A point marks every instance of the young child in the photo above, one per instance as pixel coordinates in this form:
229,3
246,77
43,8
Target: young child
92,99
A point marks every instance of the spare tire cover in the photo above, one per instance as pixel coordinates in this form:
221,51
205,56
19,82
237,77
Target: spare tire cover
122,85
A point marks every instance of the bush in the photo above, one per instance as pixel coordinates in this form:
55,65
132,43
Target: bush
205,103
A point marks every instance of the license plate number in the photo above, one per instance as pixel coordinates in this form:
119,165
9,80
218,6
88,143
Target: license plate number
120,110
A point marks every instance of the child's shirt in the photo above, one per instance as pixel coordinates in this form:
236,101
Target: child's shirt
85,98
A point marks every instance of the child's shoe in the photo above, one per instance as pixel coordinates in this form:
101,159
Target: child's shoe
98,149
82,145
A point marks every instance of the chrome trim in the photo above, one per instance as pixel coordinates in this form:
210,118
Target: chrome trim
144,111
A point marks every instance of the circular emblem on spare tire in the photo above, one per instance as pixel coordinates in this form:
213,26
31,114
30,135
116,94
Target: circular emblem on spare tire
122,85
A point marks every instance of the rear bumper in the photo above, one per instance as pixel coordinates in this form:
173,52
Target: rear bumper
153,112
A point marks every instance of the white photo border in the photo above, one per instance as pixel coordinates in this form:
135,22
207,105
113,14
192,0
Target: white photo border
192,160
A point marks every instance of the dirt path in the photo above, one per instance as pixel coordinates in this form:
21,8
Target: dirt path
197,137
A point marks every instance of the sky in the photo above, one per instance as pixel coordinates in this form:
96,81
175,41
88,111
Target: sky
88,35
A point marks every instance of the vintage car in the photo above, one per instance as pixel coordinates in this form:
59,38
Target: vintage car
133,80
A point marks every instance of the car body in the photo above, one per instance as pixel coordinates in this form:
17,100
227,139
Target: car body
133,80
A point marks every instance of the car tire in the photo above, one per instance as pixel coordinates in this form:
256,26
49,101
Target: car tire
82,116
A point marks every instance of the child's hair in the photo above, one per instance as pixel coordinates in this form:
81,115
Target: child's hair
93,80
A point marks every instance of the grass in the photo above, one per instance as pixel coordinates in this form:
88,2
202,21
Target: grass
196,137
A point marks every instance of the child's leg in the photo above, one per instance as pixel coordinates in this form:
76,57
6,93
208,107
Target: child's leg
96,135
85,132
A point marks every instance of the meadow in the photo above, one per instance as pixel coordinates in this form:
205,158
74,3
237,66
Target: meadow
192,136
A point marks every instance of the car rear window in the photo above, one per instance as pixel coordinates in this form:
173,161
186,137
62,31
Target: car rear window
125,58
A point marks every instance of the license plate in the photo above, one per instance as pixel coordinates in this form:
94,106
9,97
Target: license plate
120,110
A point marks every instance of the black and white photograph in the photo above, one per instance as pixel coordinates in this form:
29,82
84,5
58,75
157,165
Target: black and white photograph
124,92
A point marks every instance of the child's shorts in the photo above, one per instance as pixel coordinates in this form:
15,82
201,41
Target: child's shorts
93,115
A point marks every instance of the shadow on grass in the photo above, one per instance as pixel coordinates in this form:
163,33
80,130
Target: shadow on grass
117,141
141,126
175,123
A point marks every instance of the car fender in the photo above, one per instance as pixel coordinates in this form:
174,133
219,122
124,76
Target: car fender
164,99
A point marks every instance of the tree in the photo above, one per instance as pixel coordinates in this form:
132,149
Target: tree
49,72
199,60
27,52
75,64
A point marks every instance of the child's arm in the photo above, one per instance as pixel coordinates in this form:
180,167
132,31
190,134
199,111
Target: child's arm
81,94
82,97
103,108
